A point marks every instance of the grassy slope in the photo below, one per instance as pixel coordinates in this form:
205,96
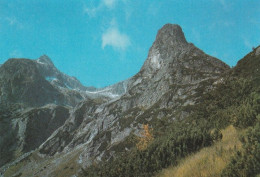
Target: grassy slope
209,161
215,108
233,102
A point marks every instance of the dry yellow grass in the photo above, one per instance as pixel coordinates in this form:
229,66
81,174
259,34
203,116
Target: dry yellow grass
210,161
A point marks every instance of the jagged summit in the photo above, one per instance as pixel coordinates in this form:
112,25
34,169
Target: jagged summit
171,33
170,50
44,59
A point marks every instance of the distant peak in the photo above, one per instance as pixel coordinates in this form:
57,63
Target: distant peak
171,33
44,59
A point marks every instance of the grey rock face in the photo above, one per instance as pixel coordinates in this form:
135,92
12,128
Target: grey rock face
21,82
39,82
172,61
70,85
27,88
257,52
57,78
113,91
174,75
23,129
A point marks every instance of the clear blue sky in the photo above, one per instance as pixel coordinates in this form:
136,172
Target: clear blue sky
102,42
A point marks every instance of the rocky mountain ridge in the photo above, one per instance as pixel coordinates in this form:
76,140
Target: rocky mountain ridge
174,76
63,81
39,82
54,76
35,100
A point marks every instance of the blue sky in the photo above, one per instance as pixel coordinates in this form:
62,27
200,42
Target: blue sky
102,42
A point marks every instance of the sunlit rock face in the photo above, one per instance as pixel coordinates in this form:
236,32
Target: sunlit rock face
172,60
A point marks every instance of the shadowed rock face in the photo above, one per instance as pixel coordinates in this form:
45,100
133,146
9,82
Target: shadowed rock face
21,82
26,118
23,130
27,88
38,82
172,77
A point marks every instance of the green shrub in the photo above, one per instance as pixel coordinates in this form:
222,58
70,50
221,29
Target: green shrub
247,161
161,153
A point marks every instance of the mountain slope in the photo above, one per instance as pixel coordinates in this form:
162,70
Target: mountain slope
39,82
209,161
213,160
68,84
23,129
175,75
21,82
234,101
35,100
168,86
52,74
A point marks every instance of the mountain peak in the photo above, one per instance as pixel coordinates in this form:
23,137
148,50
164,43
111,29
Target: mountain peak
171,49
171,33
44,59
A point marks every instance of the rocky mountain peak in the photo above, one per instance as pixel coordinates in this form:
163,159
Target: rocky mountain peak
172,79
170,51
44,59
171,34
169,44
